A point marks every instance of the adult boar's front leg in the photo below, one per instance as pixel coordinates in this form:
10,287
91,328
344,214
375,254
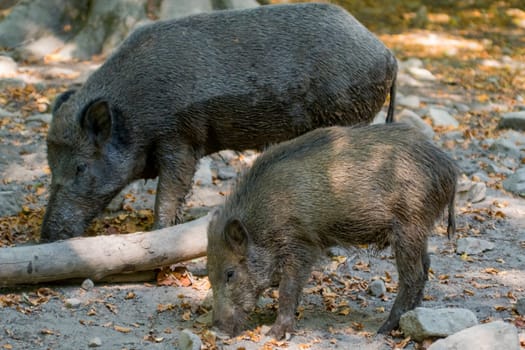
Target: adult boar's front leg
177,164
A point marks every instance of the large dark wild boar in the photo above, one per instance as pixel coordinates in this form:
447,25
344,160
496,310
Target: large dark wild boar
178,90
380,185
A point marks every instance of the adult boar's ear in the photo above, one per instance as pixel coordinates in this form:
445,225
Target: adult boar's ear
236,236
96,121
63,97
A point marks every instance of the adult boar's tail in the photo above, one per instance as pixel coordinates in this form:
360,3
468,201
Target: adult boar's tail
392,102
451,227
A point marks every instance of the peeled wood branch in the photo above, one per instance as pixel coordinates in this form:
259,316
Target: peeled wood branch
101,256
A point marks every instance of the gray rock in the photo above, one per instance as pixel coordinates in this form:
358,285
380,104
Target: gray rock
509,163
422,323
12,82
95,342
181,8
203,176
441,117
453,135
407,80
10,203
516,137
505,147
44,118
480,176
496,335
189,341
380,118
410,101
472,246
468,166
87,284
377,288
411,118
515,183
513,120
421,73
8,66
6,114
493,168
471,191
225,173
520,306
461,107
410,63
72,303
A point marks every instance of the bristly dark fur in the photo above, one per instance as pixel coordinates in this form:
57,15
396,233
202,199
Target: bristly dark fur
180,89
379,185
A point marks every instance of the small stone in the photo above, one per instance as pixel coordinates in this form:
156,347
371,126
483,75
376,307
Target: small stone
95,342
44,118
203,176
10,203
411,63
471,191
505,147
228,155
493,168
421,73
6,114
472,246
441,117
87,284
377,288
72,303
520,306
411,118
226,173
12,83
380,118
496,335
516,137
461,107
515,183
513,120
8,66
189,341
480,176
410,101
422,323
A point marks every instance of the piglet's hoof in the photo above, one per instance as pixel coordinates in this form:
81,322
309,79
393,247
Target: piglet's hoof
278,331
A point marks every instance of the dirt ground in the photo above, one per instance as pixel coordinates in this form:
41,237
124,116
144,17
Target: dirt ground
336,312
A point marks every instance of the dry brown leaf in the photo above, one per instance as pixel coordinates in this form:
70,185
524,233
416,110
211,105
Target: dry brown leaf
165,307
122,329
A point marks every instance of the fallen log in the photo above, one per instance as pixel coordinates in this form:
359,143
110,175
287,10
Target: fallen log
102,256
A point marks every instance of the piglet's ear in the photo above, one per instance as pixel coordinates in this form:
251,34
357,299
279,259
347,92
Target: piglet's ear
236,236
96,122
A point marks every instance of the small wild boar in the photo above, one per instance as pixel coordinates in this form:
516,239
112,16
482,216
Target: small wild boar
383,185
180,89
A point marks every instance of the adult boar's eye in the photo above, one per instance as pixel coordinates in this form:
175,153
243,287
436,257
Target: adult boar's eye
229,275
81,168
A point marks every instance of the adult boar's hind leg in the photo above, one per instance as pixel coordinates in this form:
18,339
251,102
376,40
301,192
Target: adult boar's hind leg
409,244
177,164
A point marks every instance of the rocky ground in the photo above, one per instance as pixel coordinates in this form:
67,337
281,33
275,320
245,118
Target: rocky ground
476,114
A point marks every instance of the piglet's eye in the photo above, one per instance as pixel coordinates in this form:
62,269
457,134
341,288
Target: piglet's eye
229,275
81,168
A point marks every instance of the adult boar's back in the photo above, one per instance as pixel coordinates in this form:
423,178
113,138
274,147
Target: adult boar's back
180,89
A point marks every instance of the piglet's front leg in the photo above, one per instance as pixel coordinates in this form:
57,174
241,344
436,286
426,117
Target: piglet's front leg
290,289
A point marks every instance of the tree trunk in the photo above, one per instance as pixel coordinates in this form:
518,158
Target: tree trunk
102,256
